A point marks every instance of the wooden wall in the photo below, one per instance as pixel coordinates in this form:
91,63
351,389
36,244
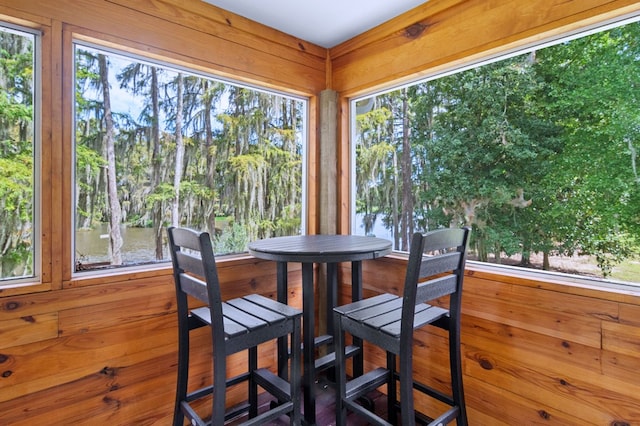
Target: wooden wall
101,349
106,353
556,356
442,34
534,351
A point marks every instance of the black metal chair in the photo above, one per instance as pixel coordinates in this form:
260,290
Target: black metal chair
236,325
389,321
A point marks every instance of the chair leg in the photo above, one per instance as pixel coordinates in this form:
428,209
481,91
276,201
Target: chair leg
340,372
295,376
253,387
406,389
219,389
455,361
183,374
392,389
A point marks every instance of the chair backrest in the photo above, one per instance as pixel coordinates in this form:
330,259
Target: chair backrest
435,269
195,273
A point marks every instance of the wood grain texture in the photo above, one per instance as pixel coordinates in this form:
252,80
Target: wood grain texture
186,34
439,35
28,329
533,354
101,348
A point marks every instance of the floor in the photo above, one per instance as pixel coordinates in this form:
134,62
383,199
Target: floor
325,408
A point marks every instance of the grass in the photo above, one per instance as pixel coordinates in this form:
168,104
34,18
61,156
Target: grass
628,271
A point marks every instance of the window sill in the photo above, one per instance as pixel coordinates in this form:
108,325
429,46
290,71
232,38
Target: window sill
134,272
549,280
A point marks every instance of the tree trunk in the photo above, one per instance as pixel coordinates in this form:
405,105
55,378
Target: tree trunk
396,209
482,250
545,261
210,209
526,253
156,162
115,216
406,170
177,175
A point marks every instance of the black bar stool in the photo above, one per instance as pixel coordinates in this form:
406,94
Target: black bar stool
388,321
236,325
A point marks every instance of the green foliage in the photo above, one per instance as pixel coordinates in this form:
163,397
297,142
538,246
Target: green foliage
242,153
16,155
16,187
537,152
611,250
13,114
233,239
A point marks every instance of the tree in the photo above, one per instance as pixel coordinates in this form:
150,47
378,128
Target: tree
145,79
537,152
376,164
177,173
193,150
593,95
16,155
115,212
406,171
482,158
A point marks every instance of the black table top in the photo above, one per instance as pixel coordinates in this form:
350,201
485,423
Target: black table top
320,248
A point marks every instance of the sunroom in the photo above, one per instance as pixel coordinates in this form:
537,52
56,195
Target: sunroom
88,330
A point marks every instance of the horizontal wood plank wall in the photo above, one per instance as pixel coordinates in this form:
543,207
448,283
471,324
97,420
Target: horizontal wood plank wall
106,353
101,349
535,352
192,31
442,34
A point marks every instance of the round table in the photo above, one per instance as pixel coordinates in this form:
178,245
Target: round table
310,249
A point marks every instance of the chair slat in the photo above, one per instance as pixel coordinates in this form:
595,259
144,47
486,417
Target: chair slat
446,262
185,238
429,315
395,328
231,328
385,318
272,305
365,303
194,287
256,310
438,287
376,309
190,263
437,240
245,319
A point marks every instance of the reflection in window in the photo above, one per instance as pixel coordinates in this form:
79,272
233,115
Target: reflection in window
17,155
538,153
159,146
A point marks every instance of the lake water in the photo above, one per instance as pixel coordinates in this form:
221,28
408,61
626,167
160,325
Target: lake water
138,247
92,246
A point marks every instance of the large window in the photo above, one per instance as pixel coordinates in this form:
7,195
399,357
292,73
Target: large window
18,156
537,152
159,146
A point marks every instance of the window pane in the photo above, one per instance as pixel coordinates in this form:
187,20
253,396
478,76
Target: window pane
538,153
17,216
157,146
